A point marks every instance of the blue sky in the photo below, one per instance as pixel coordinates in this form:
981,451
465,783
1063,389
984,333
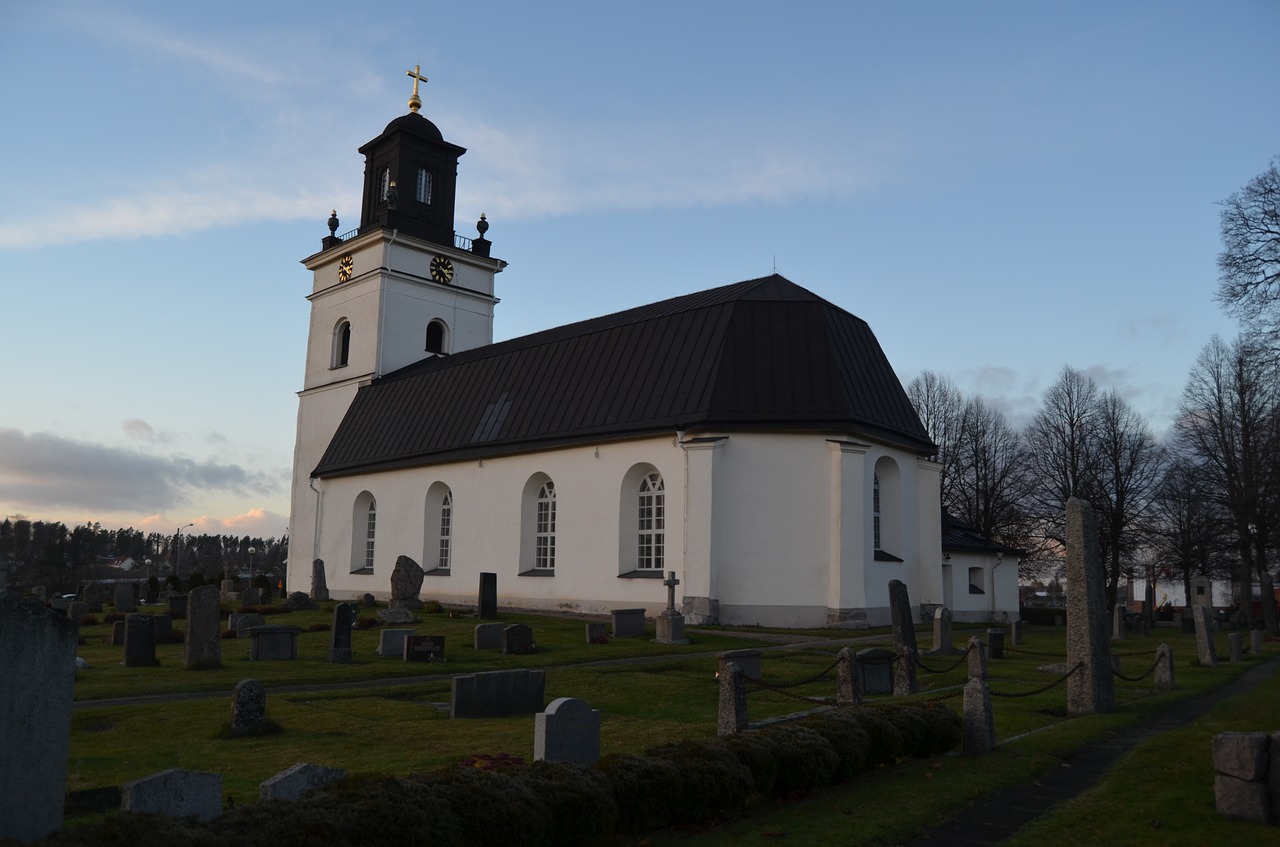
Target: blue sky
999,188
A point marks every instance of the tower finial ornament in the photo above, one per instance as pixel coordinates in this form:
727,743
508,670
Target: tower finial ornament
415,102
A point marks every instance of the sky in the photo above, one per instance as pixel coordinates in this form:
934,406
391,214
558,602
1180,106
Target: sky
1000,189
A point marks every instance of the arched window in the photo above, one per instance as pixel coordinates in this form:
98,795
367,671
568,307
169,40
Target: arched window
437,542
886,510
436,337
341,344
544,556
651,530
364,530
423,193
875,509
370,532
446,532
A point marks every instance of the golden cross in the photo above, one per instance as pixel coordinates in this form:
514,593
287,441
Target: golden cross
415,102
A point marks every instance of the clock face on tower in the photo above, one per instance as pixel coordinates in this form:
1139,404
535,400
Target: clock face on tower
345,266
441,269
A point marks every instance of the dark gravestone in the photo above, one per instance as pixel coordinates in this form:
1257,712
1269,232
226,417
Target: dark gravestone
273,642
497,693
245,622
488,602
406,584
163,625
995,643
248,707
568,731
178,606
875,670
517,639
596,633
124,599
904,630
488,636
93,598
139,642
748,661
319,588
175,793
116,639
628,623
203,648
424,648
344,618
77,610
252,596
299,602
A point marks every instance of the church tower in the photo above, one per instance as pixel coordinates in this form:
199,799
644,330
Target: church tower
400,288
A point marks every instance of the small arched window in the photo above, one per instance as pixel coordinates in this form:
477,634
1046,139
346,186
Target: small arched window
436,337
364,530
341,344
651,536
370,532
544,556
875,509
423,193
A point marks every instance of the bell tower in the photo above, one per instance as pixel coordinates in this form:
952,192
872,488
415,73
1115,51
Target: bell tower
400,288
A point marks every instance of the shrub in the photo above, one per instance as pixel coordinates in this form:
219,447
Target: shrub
846,736
492,807
759,754
431,607
886,738
714,780
367,623
89,620
319,627
112,617
646,789
807,760
580,801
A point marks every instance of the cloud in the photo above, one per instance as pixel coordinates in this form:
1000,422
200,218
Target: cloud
44,471
143,431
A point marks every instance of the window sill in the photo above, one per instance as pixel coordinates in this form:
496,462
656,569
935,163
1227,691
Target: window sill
973,590
337,367
539,572
362,572
644,574
882,556
437,572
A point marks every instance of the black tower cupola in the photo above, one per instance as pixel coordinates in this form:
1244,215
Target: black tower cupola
410,177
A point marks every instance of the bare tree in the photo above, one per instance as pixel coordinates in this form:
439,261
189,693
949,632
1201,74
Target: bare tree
1228,422
1191,529
989,483
940,406
1249,264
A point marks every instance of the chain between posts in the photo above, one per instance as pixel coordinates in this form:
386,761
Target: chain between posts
1150,671
1034,653
1056,682
958,662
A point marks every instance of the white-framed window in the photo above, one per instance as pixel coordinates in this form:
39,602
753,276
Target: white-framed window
364,532
886,510
370,533
544,555
652,524
875,509
341,344
437,337
976,581
423,191
445,547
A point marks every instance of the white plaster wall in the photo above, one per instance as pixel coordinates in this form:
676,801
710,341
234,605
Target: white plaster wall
999,584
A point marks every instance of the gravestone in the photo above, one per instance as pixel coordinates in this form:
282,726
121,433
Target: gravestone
904,630
248,707
38,594
424,648
243,623
124,599
748,661
295,782
116,638
397,616
1090,688
497,693
406,584
942,645
517,639
368,600
1205,650
978,731
731,715
37,670
391,642
344,618
904,672
1235,646
488,636
299,602
175,793
1016,633
628,623
568,731
252,596
1164,669
273,642
847,691
92,597
77,610
487,603
203,647
139,642
977,661
995,643
1240,765
228,586
1255,642
163,626
875,668
178,606
596,633
319,588
670,624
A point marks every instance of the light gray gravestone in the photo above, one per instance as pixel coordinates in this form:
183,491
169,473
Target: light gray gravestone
1255,642
397,616
498,693
904,630
748,661
875,667
273,642
488,636
978,730
203,647
731,717
124,599
942,645
175,793
391,642
568,731
344,618
1164,669
243,623
139,642
248,706
596,633
319,588
1205,649
406,584
295,782
1090,688
1240,764
517,639
37,681
847,693
904,672
977,660
628,623
670,624
487,602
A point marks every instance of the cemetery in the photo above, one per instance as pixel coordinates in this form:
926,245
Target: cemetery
451,713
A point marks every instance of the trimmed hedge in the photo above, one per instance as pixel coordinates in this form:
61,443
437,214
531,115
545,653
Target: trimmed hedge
557,804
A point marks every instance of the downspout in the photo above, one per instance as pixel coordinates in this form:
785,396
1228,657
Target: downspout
999,562
315,538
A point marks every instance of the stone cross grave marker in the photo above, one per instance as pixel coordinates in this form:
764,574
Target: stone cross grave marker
567,731
1090,688
670,624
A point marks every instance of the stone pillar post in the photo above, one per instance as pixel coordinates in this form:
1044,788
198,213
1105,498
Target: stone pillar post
978,728
847,689
1090,688
904,672
977,658
1164,669
732,716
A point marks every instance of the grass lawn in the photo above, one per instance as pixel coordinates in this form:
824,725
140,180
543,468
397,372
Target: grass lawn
383,715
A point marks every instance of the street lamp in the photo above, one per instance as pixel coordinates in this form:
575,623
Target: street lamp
177,553
252,550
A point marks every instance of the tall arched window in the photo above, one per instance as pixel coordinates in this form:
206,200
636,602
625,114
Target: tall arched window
544,556
651,528
370,533
875,509
446,532
364,531
437,522
341,344
436,337
423,193
886,510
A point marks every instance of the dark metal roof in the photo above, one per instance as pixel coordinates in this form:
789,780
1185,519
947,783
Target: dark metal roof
961,538
762,355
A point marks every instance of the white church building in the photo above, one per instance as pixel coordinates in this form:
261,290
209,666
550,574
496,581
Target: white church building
751,437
